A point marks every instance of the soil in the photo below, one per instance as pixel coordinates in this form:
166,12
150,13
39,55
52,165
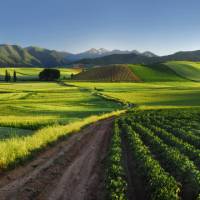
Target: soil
73,169
136,186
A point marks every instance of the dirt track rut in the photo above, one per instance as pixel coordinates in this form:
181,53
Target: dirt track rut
72,170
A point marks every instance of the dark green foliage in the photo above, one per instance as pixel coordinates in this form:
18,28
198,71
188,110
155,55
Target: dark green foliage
15,76
171,138
115,176
49,75
160,185
7,76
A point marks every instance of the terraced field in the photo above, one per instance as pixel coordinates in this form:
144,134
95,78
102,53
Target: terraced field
109,74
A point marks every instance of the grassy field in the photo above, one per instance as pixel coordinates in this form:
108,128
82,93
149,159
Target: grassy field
155,73
34,105
151,95
32,73
186,69
34,114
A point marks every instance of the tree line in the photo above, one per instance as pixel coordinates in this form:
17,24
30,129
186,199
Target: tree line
9,78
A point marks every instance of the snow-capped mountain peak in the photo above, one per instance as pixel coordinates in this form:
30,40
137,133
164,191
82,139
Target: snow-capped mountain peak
97,51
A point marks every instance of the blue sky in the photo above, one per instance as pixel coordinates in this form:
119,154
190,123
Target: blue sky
161,26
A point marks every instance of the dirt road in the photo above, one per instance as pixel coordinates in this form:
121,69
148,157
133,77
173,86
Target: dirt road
72,170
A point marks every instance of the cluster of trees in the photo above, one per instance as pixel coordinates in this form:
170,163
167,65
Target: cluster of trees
49,75
8,77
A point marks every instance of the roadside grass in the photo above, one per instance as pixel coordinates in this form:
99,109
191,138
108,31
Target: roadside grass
18,149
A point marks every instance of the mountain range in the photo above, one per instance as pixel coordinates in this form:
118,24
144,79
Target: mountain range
142,58
16,56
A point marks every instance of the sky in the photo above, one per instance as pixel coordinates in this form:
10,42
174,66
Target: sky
160,26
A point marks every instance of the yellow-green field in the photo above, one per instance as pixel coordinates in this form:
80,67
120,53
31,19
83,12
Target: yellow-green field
151,95
29,74
34,114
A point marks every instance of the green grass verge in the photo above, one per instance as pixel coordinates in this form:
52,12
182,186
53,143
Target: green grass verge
18,149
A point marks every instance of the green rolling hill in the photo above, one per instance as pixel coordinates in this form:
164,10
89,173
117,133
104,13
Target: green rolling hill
155,72
131,72
186,69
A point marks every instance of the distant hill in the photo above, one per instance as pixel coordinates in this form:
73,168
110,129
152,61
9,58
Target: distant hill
13,55
98,53
135,58
16,56
49,58
132,58
108,73
160,72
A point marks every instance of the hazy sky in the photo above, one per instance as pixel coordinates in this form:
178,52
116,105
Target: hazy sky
162,26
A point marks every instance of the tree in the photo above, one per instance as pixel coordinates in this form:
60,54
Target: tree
6,76
14,76
49,75
72,75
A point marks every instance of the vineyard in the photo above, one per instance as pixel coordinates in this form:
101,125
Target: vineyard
108,73
158,149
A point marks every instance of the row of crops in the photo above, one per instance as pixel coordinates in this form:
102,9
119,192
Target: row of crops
165,147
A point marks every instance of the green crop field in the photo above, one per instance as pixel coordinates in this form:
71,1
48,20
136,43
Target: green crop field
186,69
151,95
29,74
161,151
163,118
34,105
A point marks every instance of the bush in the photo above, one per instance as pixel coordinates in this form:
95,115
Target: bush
49,75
